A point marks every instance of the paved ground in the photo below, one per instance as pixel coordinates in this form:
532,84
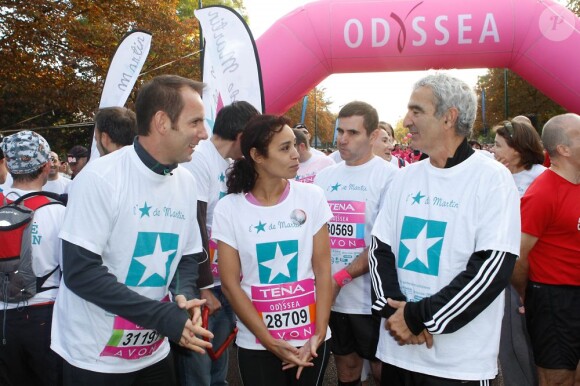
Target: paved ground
234,378
329,378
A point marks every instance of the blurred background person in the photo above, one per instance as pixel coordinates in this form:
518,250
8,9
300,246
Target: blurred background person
77,158
310,163
115,127
304,129
519,147
383,146
56,182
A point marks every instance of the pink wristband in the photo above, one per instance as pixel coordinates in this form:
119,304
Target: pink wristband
342,277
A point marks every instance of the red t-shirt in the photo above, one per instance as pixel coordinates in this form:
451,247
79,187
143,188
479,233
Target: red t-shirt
551,211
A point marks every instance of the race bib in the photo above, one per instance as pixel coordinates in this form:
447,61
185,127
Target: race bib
347,226
213,257
130,341
288,310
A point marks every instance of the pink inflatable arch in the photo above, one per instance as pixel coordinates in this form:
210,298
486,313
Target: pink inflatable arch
537,39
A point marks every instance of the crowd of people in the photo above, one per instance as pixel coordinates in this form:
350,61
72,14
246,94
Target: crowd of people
427,267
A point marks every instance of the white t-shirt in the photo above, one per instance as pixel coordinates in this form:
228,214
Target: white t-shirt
355,195
525,178
486,153
275,246
58,186
308,169
140,223
46,247
317,152
335,155
434,220
8,183
209,169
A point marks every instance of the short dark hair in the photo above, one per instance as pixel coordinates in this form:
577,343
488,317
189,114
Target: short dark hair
231,119
300,137
368,112
257,135
162,93
27,177
119,123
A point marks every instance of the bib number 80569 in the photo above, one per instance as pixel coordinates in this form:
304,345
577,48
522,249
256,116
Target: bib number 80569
338,229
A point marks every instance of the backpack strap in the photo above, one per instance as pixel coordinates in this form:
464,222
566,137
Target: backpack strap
36,200
401,162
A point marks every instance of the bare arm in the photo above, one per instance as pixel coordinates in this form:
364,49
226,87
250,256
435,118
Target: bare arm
324,298
520,274
230,268
358,267
321,268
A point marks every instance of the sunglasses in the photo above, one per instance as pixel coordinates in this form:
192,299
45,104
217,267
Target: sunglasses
509,127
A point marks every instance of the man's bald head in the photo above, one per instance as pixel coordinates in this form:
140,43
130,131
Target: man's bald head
557,132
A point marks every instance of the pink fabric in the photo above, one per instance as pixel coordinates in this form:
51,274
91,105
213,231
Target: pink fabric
536,39
250,197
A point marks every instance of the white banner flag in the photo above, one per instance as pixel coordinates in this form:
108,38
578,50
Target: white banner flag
123,72
231,67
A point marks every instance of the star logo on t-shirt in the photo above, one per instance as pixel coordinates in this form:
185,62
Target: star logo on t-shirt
417,198
420,245
260,227
334,188
145,210
278,261
151,261
222,177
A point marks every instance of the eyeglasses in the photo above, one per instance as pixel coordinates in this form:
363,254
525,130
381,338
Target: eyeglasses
510,129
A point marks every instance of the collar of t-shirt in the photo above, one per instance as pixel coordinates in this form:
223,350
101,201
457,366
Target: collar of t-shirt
150,162
463,152
252,199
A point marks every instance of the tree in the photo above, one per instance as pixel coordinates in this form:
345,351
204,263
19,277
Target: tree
522,99
401,133
317,116
574,6
54,56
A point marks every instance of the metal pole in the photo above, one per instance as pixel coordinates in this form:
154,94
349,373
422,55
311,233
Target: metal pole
505,89
315,120
202,53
